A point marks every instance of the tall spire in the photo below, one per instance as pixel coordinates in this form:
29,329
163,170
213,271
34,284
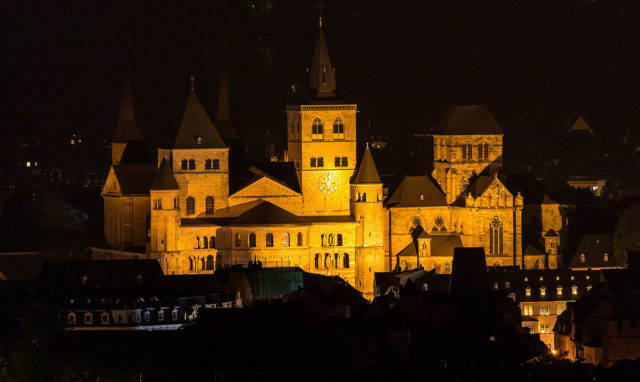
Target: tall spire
126,129
367,173
323,79
223,115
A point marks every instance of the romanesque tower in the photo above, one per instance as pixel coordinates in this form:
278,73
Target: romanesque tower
367,209
322,140
165,217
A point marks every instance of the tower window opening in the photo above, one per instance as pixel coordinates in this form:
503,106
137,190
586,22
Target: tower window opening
212,242
215,164
317,129
191,205
184,164
192,164
207,164
339,240
252,240
209,204
338,129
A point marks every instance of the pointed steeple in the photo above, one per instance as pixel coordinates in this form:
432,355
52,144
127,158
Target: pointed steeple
126,129
223,116
323,79
367,173
196,130
164,179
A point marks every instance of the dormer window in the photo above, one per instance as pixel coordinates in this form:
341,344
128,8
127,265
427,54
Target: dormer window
199,140
583,257
606,257
543,291
527,291
421,196
574,290
559,291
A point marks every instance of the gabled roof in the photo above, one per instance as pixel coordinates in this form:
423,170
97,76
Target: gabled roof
226,129
581,125
267,213
367,173
468,120
134,179
126,129
551,233
196,126
323,79
283,173
417,191
164,179
594,246
441,245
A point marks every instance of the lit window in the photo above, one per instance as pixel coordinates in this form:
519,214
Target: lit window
587,277
606,257
589,287
528,291
526,278
574,290
543,291
269,240
583,257
544,310
573,277
285,239
559,291
495,286
527,310
507,285
557,278
544,328
560,308
541,278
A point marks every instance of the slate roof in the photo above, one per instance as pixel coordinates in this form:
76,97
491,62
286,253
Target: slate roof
408,193
136,152
594,246
322,78
197,124
269,214
135,179
367,173
283,173
581,125
468,120
127,129
164,179
441,245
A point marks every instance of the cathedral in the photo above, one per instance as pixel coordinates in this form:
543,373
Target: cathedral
197,209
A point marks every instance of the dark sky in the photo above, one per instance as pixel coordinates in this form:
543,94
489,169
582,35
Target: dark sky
535,63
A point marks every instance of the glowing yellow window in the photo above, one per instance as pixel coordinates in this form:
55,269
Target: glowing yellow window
528,291
559,291
543,291
574,290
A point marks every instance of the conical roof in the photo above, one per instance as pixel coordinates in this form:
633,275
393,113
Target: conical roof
196,129
223,116
126,129
323,79
367,173
164,179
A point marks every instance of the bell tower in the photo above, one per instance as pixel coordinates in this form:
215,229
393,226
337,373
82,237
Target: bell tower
321,135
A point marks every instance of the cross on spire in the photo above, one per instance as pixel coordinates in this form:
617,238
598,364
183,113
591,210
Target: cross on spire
319,7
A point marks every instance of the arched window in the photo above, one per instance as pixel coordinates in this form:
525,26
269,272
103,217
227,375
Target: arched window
323,240
252,240
184,164
339,243
469,151
192,164
212,242
327,260
345,260
359,197
209,263
190,264
237,239
331,239
269,240
317,129
543,291
205,242
334,261
215,164
285,239
338,129
191,205
495,237
202,264
207,164
197,241
480,155
486,151
299,239
364,197
209,204
317,260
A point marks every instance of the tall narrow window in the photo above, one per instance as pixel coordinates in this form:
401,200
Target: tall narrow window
313,162
207,164
339,240
469,151
269,240
209,204
345,259
202,263
323,240
480,152
299,239
331,239
191,205
338,129
364,197
212,242
317,261
285,239
495,237
237,239
252,240
337,162
486,151
321,162
215,164
190,264
205,242
345,161
197,241
185,164
317,129
464,152
209,263
192,164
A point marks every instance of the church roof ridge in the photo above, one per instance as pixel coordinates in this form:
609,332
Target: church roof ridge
196,128
367,172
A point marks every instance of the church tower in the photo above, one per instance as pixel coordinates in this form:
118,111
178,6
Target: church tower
367,209
200,162
225,127
322,139
165,217
126,129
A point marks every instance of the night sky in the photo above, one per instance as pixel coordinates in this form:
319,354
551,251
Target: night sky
536,64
